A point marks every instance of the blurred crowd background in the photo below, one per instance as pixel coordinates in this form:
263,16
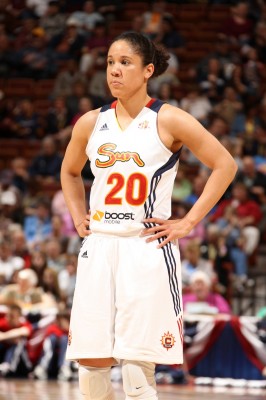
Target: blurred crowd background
52,71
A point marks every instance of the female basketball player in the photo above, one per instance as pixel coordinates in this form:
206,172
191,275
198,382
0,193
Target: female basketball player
127,303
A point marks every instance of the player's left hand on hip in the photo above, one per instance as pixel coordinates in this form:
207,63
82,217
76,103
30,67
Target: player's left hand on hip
166,230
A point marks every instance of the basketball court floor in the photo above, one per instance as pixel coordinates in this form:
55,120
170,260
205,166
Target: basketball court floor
53,390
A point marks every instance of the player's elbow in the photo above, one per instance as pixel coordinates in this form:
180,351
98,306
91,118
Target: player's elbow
231,168
68,171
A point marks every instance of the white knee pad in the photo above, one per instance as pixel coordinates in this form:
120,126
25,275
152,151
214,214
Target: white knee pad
139,380
95,383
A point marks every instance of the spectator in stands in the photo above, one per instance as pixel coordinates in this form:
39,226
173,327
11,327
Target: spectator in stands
9,262
46,166
57,232
52,362
38,226
238,27
253,179
95,49
10,197
58,116
258,40
20,247
153,18
246,215
196,235
237,151
26,121
26,294
212,79
50,285
255,9
197,104
39,7
233,238
69,43
10,211
202,299
169,36
169,76
193,262
234,148
137,23
16,6
67,279
165,93
24,34
79,90
238,81
109,10
88,17
260,156
65,79
262,113
55,257
53,21
38,264
229,106
30,198
7,18
14,333
36,60
85,105
222,52
214,249
98,88
20,174
245,126
182,186
197,187
253,71
59,208
218,126
5,218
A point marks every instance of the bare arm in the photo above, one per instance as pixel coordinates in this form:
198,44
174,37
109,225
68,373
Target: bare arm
73,163
210,152
15,333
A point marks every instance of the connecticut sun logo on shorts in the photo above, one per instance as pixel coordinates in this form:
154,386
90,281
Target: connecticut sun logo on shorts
168,340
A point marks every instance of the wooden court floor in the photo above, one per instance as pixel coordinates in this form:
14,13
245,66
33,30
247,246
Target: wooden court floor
53,390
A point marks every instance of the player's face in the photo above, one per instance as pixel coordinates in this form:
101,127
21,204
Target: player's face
125,71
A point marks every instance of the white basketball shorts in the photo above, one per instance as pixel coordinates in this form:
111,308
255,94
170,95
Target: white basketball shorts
127,301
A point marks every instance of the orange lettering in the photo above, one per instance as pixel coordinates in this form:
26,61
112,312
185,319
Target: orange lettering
107,150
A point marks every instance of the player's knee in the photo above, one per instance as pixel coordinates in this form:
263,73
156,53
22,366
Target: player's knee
139,380
95,383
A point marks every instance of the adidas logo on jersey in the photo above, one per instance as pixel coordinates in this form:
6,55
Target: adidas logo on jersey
85,254
104,127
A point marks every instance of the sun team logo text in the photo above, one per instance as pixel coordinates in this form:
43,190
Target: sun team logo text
107,149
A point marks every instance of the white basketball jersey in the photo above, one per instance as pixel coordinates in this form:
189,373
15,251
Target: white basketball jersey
133,172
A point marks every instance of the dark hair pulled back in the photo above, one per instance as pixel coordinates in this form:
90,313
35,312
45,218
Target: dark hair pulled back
150,52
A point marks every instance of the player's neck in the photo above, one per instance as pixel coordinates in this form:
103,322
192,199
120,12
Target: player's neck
132,106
